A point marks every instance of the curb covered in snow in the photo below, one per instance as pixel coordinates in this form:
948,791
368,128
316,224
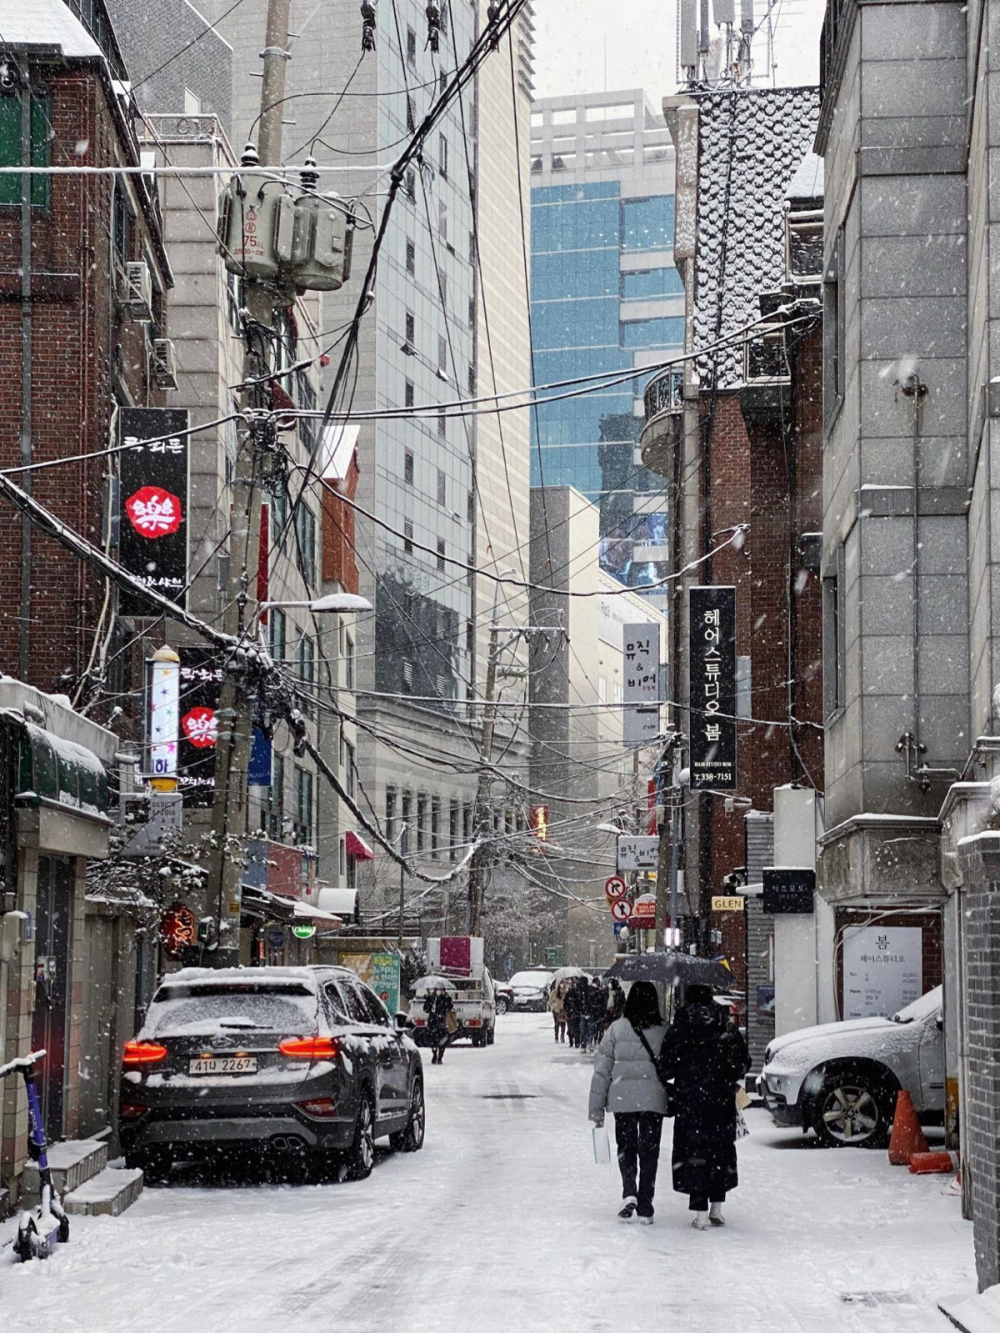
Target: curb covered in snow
974,1314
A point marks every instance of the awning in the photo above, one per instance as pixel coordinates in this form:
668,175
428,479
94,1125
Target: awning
342,902
277,907
356,846
62,771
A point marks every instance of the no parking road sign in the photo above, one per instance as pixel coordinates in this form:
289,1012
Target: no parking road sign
620,910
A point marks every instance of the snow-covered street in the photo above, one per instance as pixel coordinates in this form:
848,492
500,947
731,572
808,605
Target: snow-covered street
503,1222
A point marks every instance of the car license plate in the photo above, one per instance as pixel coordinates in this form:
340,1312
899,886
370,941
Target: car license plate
224,1064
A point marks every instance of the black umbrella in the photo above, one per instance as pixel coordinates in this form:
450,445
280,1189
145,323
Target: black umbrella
668,968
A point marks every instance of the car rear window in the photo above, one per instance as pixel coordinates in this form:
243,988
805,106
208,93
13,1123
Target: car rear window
539,979
202,1010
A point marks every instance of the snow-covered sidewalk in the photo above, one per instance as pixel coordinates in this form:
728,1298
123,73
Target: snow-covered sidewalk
503,1224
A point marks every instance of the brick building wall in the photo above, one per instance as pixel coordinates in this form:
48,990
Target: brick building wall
84,351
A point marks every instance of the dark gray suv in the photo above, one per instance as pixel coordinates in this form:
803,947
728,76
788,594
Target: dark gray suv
280,1062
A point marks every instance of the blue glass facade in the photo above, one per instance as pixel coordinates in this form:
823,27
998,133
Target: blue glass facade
593,309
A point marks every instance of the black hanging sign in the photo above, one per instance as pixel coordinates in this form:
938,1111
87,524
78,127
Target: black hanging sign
198,728
712,697
153,541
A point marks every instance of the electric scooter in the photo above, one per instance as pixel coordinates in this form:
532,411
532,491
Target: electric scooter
38,1229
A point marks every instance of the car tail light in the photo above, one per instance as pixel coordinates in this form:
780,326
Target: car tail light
310,1048
131,1110
474,1023
320,1108
143,1053
420,1022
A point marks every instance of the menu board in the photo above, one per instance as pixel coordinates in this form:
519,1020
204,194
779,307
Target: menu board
883,969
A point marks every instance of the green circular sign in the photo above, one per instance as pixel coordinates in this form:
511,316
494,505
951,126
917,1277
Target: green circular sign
303,932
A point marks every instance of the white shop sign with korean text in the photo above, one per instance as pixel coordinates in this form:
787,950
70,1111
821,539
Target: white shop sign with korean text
883,969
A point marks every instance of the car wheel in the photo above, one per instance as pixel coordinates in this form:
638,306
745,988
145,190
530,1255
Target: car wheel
491,1035
853,1110
361,1154
411,1139
501,1006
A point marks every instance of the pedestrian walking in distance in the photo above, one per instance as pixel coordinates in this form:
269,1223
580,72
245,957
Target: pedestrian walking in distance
597,1001
626,1083
574,1012
438,1005
704,1055
557,1007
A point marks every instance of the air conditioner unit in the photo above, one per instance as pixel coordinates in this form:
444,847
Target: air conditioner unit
164,363
137,297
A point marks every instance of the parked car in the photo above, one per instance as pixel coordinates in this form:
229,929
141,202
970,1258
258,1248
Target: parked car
281,1062
531,989
841,1079
504,993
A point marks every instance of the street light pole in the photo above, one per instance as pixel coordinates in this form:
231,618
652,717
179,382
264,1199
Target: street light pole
229,812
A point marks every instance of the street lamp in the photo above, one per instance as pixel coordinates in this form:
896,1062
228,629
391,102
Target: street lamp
332,602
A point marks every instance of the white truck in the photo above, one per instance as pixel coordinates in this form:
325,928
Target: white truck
458,960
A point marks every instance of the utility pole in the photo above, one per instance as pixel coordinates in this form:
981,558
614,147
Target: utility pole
229,811
404,847
477,866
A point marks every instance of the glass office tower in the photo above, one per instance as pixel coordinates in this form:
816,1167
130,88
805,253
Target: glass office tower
605,296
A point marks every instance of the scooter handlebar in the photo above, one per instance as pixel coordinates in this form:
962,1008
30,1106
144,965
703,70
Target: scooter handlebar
22,1062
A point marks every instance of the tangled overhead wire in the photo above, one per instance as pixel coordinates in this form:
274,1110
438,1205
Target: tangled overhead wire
367,26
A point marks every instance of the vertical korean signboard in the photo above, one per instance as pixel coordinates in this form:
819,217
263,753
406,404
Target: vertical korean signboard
201,688
712,695
641,687
153,540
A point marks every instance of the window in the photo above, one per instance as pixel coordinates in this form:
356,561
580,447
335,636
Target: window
440,554
407,677
390,813
408,394
338,1005
442,492
350,768
834,638
409,325
279,514
472,380
466,824
421,821
121,223
647,224
442,354
351,872
443,290
410,185
453,831
278,630
472,311
834,330
470,636
408,466
435,827
305,668
276,799
407,536
647,283
411,257
443,155
652,332
442,432
411,121
470,507
443,221
472,247
10,147
305,531
349,662
302,825
406,814
411,47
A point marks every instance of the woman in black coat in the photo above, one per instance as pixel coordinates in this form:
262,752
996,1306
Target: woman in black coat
704,1055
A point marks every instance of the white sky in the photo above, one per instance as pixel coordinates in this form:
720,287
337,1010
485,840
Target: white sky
597,45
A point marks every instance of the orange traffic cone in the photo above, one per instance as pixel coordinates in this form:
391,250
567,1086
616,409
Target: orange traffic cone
931,1163
907,1136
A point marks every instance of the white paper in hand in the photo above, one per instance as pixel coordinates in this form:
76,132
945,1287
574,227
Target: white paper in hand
601,1144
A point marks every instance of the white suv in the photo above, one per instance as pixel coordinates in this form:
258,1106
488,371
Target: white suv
841,1079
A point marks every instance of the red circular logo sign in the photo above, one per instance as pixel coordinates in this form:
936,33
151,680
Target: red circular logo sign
201,727
154,512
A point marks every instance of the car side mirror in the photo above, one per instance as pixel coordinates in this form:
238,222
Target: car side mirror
401,1022
939,1022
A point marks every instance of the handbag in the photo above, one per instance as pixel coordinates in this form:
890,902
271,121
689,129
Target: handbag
743,1098
668,1087
741,1125
451,1022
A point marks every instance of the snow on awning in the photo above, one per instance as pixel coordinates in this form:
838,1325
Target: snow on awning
279,907
342,902
356,846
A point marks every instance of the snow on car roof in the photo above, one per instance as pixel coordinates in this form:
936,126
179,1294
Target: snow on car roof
252,976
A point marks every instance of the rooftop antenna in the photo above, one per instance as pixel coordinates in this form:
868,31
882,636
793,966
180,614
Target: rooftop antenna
687,45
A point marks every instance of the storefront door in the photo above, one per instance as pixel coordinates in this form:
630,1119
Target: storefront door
52,964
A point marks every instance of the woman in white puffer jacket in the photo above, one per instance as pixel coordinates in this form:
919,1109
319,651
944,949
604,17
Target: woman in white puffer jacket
626,1083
